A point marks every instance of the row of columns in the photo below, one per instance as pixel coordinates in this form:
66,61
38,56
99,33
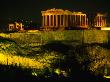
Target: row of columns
100,21
79,21
52,20
65,20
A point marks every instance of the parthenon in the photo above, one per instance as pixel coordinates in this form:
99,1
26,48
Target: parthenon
59,19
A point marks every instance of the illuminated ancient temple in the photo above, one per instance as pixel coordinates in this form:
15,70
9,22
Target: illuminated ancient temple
58,19
79,20
100,21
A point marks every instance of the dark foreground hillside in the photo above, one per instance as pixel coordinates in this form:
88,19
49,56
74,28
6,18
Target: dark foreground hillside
71,61
10,73
80,58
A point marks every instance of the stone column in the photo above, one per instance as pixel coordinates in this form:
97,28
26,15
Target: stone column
49,20
53,20
85,19
64,20
97,20
71,20
101,21
60,20
104,21
21,26
43,21
80,20
56,20
75,23
46,22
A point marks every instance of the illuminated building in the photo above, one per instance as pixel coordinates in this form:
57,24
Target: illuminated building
79,20
100,21
15,26
58,19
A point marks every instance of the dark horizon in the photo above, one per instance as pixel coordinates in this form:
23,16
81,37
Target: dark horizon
31,9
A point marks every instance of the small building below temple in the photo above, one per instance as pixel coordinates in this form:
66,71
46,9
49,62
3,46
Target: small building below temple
16,26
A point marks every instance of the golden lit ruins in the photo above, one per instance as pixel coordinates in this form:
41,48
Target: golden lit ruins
100,20
59,19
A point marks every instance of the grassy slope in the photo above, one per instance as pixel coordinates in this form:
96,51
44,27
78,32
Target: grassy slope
44,47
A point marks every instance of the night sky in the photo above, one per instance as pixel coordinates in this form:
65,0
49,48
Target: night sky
31,9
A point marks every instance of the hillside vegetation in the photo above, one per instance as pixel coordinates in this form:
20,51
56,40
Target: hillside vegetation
61,53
